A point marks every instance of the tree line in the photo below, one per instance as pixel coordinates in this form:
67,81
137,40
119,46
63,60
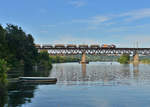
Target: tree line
17,49
63,59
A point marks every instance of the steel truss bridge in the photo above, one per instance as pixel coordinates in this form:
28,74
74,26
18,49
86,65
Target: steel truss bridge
61,49
96,51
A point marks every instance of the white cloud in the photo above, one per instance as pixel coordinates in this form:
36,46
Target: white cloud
93,20
99,19
121,22
132,15
112,19
126,28
77,3
136,14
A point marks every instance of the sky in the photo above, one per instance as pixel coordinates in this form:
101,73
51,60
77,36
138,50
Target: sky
119,22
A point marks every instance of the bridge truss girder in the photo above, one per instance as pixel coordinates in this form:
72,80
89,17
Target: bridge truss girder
97,51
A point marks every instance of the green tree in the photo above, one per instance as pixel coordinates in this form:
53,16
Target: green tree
3,82
18,48
44,60
124,59
3,44
21,46
3,71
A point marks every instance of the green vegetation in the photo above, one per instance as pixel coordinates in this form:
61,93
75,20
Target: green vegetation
3,81
3,71
44,60
145,61
3,96
124,59
17,47
102,58
62,59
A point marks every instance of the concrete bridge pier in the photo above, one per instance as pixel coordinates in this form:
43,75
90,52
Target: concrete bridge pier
136,59
83,59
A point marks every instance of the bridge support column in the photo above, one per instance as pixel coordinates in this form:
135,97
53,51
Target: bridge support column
136,59
83,59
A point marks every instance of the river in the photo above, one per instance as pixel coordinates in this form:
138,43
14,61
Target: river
97,84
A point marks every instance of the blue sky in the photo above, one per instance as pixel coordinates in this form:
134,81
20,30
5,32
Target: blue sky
120,22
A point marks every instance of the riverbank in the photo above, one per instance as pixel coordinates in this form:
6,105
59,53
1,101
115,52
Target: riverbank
145,61
141,62
64,59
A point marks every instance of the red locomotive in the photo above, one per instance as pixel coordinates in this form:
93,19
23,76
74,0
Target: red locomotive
108,46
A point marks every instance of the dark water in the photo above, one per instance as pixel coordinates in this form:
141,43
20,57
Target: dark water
92,85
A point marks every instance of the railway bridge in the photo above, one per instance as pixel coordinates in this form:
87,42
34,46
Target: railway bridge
62,49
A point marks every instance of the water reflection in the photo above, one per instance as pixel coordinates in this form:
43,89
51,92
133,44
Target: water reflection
108,73
3,96
109,77
136,71
20,93
16,93
83,72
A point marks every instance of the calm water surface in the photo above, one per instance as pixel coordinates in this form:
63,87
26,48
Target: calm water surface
93,85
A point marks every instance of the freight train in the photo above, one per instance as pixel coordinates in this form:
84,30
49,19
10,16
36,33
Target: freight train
47,46
98,46
81,46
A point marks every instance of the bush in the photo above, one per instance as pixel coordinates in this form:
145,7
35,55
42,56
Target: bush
62,59
124,59
145,61
3,72
44,60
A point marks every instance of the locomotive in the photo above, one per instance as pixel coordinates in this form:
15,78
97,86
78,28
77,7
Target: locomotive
108,46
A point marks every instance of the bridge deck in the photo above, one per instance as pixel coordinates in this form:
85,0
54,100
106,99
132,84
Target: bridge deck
74,51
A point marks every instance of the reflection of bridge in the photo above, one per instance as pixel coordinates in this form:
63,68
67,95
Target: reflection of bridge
95,50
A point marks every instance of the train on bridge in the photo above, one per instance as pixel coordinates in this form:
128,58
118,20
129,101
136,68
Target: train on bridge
48,46
94,49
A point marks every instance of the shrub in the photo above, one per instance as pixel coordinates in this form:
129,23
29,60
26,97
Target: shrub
124,59
3,71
